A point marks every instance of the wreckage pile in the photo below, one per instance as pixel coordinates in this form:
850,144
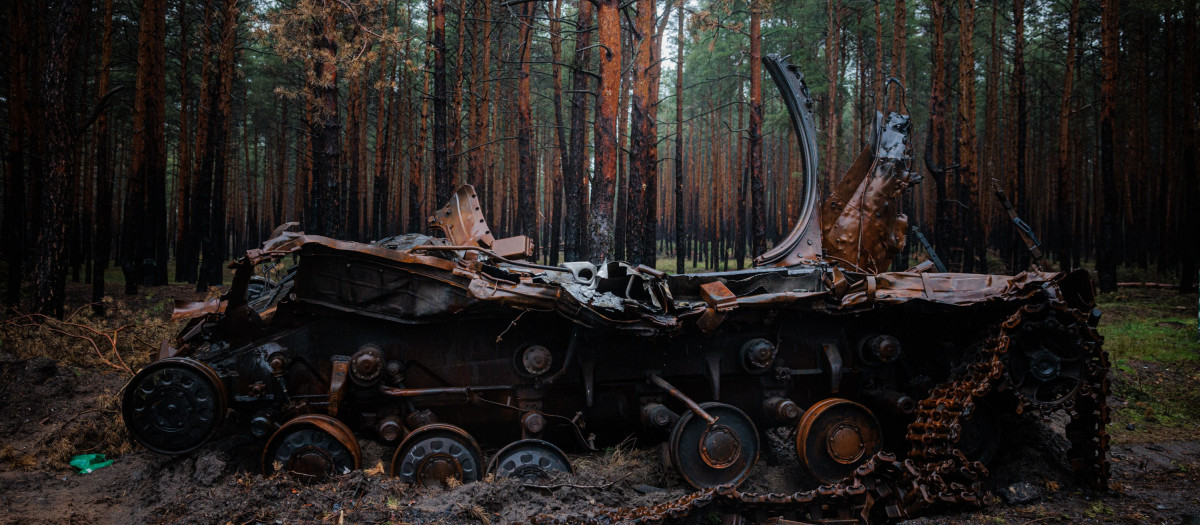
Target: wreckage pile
890,380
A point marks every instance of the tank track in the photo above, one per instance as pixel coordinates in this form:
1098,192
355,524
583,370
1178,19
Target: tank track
936,472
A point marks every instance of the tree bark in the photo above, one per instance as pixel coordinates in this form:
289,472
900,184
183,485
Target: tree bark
754,150
680,230
575,179
1066,189
145,206
968,171
643,149
323,89
50,271
104,176
600,216
1107,256
526,164
15,173
441,161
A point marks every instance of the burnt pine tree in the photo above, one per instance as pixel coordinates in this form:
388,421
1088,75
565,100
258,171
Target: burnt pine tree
62,135
575,181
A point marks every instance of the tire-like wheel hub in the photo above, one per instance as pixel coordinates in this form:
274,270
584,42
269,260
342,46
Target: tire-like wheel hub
437,455
173,406
529,459
712,455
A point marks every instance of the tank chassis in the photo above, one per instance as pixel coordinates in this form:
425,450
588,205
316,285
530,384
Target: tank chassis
890,381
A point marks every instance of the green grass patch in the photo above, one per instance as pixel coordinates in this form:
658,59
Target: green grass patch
1150,325
1150,335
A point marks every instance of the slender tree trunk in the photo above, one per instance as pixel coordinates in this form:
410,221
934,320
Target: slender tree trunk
145,201
416,219
832,58
1107,256
968,171
1066,189
527,165
441,161
643,150
575,178
1022,132
899,47
104,179
560,134
210,190
755,156
680,230
600,216
944,230
50,265
323,88
15,173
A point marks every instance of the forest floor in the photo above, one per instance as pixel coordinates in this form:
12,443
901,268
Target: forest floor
60,384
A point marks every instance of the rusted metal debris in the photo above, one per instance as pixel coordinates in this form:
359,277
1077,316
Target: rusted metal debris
451,345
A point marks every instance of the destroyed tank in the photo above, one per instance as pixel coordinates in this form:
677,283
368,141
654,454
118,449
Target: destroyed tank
446,346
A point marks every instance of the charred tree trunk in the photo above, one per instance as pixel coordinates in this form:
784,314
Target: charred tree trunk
441,157
104,177
527,165
974,247
575,175
643,149
50,265
214,165
1107,256
15,173
1020,256
145,198
936,147
1066,181
323,88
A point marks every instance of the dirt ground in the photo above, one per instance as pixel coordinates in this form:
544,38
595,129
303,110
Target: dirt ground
60,403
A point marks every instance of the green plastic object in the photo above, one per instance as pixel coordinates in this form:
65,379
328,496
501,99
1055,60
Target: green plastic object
86,463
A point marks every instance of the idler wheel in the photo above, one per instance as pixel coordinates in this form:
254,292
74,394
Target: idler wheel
718,454
529,459
435,453
174,405
312,447
834,437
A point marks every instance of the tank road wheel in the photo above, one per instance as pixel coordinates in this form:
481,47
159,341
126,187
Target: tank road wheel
313,447
433,454
834,437
709,456
174,405
529,459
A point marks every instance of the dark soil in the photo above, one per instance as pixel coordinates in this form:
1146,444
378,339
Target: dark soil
51,409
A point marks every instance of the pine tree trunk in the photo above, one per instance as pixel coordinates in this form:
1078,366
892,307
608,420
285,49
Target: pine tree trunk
15,173
102,216
1107,257
968,171
441,161
600,213
1066,189
526,164
680,230
326,216
755,156
50,264
575,174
